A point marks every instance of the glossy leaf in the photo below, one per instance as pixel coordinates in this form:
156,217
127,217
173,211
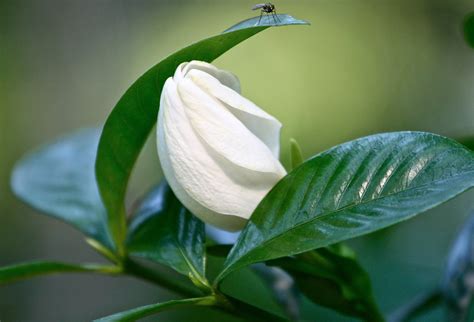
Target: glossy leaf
334,279
458,284
14,273
164,231
351,190
144,311
132,119
59,180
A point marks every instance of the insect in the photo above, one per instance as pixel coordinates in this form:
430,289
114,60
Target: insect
266,8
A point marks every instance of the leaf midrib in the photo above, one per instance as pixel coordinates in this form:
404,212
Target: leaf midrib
319,217
187,260
190,265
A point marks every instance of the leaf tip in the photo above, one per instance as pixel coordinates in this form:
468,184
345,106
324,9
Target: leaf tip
265,21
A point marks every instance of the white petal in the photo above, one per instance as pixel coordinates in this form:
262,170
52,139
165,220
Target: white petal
224,133
179,73
263,125
218,151
225,77
205,183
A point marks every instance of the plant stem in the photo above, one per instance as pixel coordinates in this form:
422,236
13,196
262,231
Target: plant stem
104,251
224,303
135,269
418,305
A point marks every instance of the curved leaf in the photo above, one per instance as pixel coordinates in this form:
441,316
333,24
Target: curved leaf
144,311
351,190
132,119
458,285
14,273
333,279
59,180
166,232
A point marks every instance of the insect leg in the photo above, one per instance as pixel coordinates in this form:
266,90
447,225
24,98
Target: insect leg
273,16
261,14
276,16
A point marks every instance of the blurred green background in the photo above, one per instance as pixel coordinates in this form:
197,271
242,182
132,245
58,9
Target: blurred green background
362,67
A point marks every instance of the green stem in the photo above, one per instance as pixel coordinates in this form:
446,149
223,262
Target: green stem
135,269
104,251
223,302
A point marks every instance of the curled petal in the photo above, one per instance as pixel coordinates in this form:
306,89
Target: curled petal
215,164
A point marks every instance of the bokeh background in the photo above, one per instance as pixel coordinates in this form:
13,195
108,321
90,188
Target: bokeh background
362,67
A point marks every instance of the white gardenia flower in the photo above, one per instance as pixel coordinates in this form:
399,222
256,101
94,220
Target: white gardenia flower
218,151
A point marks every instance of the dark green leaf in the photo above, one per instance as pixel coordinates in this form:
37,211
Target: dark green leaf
144,311
458,285
132,119
351,190
468,28
22,271
165,232
333,279
59,180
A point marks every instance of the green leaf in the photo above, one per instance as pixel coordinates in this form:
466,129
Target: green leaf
468,28
296,156
132,119
144,311
22,271
330,277
351,190
333,279
166,232
59,180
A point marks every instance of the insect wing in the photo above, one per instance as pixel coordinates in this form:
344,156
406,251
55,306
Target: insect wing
259,6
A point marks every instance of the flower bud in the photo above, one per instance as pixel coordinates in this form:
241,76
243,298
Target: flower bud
218,151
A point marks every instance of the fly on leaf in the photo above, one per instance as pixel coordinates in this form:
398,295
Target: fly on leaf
266,9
